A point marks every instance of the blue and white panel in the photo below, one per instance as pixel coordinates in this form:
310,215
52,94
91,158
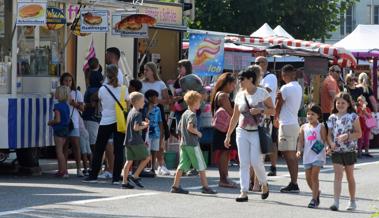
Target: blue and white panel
27,119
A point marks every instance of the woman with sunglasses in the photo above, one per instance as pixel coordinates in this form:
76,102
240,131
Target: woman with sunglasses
252,103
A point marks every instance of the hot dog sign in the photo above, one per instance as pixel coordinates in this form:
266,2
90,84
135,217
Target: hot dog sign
206,53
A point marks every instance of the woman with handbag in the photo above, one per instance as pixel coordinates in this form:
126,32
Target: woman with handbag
76,106
153,82
111,96
251,104
222,111
372,105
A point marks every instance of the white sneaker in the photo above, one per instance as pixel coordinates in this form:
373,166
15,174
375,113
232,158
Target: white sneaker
165,171
352,205
159,171
105,175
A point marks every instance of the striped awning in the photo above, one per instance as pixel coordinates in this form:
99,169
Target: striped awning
340,56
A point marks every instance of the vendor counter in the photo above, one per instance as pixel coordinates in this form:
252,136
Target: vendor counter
23,121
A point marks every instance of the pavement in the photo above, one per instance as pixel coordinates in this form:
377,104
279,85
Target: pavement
47,196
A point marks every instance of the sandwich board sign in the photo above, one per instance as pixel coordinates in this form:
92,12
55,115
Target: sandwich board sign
31,13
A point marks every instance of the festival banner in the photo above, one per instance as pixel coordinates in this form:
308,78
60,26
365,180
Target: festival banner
206,53
31,13
94,21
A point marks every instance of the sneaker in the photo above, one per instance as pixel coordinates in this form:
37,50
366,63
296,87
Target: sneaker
334,207
207,190
89,180
272,171
192,172
127,186
165,171
105,175
136,181
178,190
116,182
312,204
290,188
159,171
79,173
352,206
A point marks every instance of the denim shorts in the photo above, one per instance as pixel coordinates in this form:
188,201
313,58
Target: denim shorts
62,132
74,133
317,163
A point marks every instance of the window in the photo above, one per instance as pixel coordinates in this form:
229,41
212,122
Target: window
347,22
376,15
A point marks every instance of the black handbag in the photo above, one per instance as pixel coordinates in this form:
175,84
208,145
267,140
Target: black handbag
265,139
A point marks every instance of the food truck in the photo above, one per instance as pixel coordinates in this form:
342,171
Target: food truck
40,40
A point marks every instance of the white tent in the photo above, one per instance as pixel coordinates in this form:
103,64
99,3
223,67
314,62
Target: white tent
363,39
264,31
279,31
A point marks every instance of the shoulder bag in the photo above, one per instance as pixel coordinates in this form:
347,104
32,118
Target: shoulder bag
221,118
121,109
265,140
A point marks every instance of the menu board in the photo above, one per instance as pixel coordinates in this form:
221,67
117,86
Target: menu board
94,21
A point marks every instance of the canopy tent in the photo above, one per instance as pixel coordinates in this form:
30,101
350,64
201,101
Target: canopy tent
264,31
364,44
299,47
279,31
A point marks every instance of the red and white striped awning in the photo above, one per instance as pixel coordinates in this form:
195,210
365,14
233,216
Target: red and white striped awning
340,56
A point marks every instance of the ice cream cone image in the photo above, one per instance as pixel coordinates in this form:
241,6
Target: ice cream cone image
207,50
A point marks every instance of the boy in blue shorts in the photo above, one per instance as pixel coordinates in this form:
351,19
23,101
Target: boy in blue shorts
190,152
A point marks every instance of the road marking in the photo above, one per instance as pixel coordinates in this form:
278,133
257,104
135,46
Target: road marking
110,198
10,212
288,175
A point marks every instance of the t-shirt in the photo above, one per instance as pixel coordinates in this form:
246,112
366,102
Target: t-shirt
188,138
133,137
326,101
95,79
292,95
155,118
78,98
120,78
64,111
246,120
341,125
311,136
156,85
355,93
108,103
270,81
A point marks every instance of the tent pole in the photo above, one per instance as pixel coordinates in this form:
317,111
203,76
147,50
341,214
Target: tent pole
375,77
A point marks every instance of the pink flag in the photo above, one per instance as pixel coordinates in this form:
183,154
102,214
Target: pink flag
91,54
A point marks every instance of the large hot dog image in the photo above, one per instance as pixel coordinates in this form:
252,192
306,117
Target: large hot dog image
207,50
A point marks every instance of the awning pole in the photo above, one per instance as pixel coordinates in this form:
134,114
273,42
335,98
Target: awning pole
14,50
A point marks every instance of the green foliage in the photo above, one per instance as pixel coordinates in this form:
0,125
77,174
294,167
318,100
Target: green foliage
304,19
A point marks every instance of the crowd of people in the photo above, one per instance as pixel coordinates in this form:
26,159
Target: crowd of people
246,101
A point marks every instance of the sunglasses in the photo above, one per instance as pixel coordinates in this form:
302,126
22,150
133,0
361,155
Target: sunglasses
258,62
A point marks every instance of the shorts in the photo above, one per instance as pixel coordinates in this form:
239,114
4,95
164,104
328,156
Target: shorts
288,135
92,128
136,152
317,163
154,144
191,155
344,158
62,132
74,133
84,142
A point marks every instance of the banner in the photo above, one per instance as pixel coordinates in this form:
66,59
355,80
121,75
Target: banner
206,53
94,21
31,13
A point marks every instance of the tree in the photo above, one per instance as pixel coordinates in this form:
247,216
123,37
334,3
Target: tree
304,19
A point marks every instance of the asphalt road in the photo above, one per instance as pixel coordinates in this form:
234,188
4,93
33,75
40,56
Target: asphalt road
46,196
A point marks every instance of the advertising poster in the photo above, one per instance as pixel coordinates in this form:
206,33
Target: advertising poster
206,53
55,19
31,13
94,21
132,25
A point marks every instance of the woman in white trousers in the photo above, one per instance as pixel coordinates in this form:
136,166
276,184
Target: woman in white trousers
251,104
